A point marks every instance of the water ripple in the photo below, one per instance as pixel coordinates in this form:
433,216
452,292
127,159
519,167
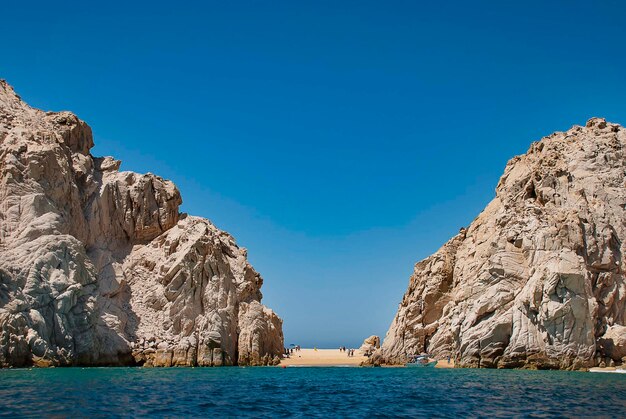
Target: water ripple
308,392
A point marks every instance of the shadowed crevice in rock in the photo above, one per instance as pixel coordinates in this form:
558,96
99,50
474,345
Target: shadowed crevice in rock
98,267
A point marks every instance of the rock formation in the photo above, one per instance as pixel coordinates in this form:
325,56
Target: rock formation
98,267
370,344
536,280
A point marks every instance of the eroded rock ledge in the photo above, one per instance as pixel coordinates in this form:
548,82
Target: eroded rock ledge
537,280
98,267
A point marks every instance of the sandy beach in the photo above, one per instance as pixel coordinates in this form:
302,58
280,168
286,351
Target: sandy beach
445,364
333,357
608,369
323,357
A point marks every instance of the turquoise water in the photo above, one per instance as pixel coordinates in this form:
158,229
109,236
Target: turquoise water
305,392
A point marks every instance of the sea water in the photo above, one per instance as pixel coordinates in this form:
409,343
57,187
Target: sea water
308,392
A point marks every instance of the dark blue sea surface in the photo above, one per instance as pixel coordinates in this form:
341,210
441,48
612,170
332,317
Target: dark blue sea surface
306,392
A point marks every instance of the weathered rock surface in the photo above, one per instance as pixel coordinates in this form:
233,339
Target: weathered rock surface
370,344
98,267
613,343
537,279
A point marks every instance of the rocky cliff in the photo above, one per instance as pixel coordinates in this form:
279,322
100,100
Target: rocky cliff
537,279
98,267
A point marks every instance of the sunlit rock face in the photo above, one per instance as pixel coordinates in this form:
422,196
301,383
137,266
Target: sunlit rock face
370,344
537,279
98,267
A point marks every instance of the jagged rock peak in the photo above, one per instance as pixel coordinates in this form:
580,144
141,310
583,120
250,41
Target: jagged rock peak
99,267
537,279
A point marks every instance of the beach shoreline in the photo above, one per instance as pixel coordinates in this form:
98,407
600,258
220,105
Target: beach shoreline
445,364
307,357
311,357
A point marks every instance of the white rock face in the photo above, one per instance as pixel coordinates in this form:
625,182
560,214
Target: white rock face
98,267
537,279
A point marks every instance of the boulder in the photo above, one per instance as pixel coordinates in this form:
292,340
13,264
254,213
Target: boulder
370,344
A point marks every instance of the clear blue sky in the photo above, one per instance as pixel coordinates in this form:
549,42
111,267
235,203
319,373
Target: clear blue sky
340,142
